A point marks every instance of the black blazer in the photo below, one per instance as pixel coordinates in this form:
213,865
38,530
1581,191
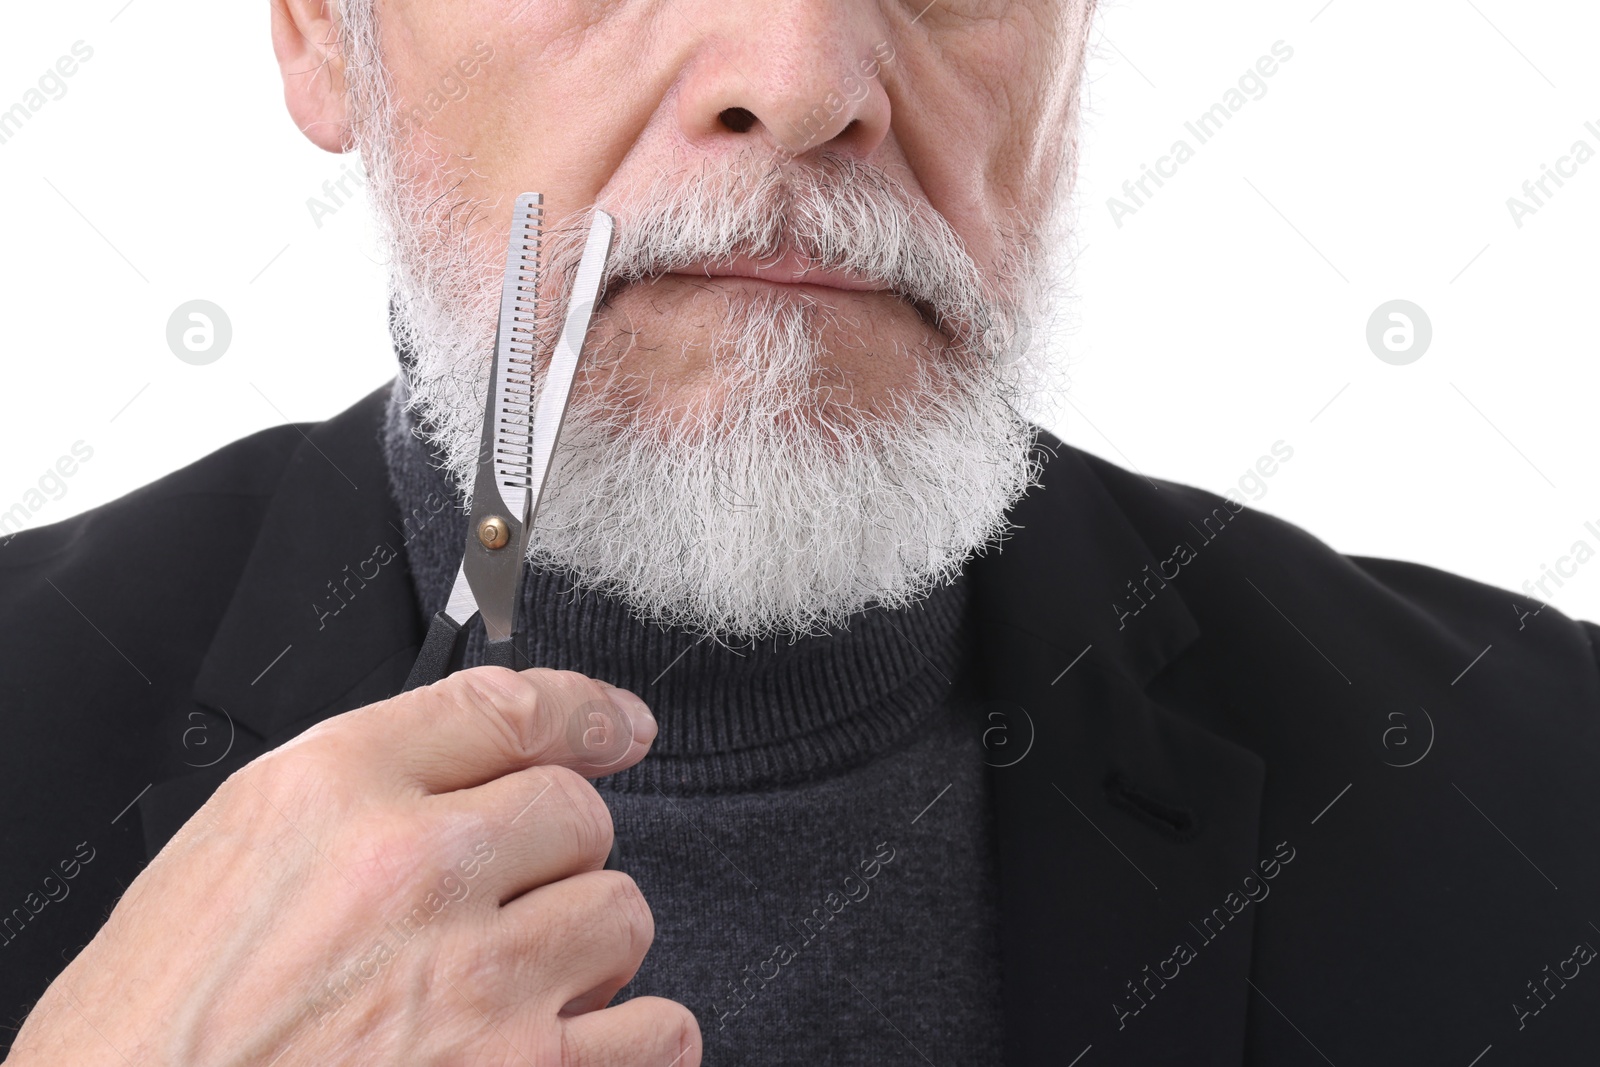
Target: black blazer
1257,802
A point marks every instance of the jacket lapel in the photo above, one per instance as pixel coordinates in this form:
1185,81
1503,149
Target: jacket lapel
1124,831
323,618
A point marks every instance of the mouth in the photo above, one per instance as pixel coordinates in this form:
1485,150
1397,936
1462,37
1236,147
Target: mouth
788,269
791,272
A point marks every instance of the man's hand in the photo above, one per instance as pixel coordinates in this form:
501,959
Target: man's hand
418,881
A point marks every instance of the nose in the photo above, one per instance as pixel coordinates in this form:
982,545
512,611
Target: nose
795,76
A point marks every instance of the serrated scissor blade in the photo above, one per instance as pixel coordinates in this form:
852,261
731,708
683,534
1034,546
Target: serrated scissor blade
515,339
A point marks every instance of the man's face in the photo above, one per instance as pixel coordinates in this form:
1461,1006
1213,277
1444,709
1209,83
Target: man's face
832,247
963,102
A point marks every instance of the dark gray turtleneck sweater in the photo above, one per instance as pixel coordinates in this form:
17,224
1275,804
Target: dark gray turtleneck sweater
811,827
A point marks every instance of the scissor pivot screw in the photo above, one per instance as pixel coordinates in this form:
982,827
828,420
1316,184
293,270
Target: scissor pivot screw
493,532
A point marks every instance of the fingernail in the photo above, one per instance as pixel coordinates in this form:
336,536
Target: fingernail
637,713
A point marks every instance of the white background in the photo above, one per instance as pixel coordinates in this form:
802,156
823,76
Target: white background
1228,313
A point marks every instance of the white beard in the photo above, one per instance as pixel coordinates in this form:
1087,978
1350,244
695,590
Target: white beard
781,511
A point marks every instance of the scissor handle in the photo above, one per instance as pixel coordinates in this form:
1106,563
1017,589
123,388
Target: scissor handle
500,654
442,652
444,648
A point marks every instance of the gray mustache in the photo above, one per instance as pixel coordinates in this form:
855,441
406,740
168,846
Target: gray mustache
839,214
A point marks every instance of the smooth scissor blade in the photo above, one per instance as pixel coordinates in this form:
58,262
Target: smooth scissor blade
557,391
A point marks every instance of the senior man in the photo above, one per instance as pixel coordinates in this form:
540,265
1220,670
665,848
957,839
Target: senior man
955,745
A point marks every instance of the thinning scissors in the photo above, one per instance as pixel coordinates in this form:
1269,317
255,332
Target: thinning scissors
516,448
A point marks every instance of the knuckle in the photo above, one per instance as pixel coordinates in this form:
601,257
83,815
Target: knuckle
473,966
679,1021
382,857
608,914
585,818
632,910
623,903
609,911
509,704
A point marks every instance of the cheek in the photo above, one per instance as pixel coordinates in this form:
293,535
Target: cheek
978,92
558,104
1031,110
1023,121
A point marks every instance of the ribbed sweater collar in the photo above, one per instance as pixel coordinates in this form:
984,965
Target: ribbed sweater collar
732,717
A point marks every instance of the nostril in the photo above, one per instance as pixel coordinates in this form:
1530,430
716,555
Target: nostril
737,119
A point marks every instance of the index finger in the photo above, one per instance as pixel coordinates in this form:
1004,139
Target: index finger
483,723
